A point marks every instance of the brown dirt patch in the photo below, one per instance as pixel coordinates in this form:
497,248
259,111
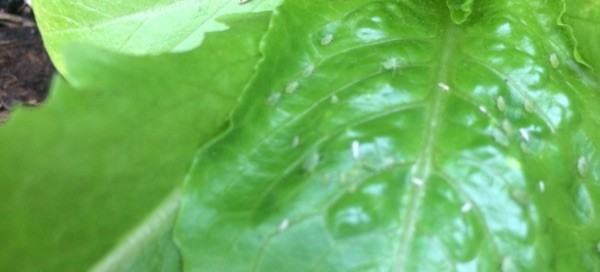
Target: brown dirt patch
25,69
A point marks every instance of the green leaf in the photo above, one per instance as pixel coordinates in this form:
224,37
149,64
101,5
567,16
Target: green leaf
82,176
137,26
383,136
460,10
584,17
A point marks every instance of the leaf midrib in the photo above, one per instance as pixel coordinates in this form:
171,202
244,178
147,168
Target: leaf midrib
424,163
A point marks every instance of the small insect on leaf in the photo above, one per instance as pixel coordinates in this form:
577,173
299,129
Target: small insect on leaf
582,166
327,39
500,104
291,88
554,61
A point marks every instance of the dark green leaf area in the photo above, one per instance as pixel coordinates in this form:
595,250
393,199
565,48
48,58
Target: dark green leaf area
383,136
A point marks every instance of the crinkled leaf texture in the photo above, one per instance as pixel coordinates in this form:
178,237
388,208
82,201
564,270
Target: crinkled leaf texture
383,136
134,26
584,17
81,177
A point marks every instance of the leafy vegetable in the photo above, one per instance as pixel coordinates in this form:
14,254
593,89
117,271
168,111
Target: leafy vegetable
84,170
584,16
140,27
386,136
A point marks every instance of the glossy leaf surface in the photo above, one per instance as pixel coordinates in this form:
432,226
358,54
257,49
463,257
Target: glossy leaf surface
81,176
384,136
136,26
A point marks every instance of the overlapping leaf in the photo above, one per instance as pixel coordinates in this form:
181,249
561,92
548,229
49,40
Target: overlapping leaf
81,176
383,136
584,17
139,27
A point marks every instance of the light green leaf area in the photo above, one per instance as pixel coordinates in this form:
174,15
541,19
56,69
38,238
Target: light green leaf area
82,177
382,136
460,10
584,17
134,27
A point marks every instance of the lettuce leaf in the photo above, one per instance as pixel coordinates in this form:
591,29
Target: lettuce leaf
584,17
134,27
385,136
83,177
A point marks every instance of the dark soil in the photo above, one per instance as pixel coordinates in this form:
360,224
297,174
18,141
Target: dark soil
25,69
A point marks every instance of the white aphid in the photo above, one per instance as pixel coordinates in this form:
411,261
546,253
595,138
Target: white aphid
355,150
508,265
296,141
308,71
529,106
541,186
483,109
500,104
274,98
284,225
465,208
291,88
243,1
327,39
499,137
554,61
525,134
524,148
582,166
391,64
443,86
417,181
507,127
334,99
311,162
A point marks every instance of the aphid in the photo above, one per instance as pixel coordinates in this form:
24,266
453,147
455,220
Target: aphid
483,109
243,1
334,99
528,106
352,188
343,178
291,88
541,186
327,39
417,181
284,225
308,71
499,137
311,162
500,104
296,141
274,98
391,64
582,166
507,127
598,247
554,61
524,148
520,197
525,134
465,208
355,150
443,86
508,265
389,161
